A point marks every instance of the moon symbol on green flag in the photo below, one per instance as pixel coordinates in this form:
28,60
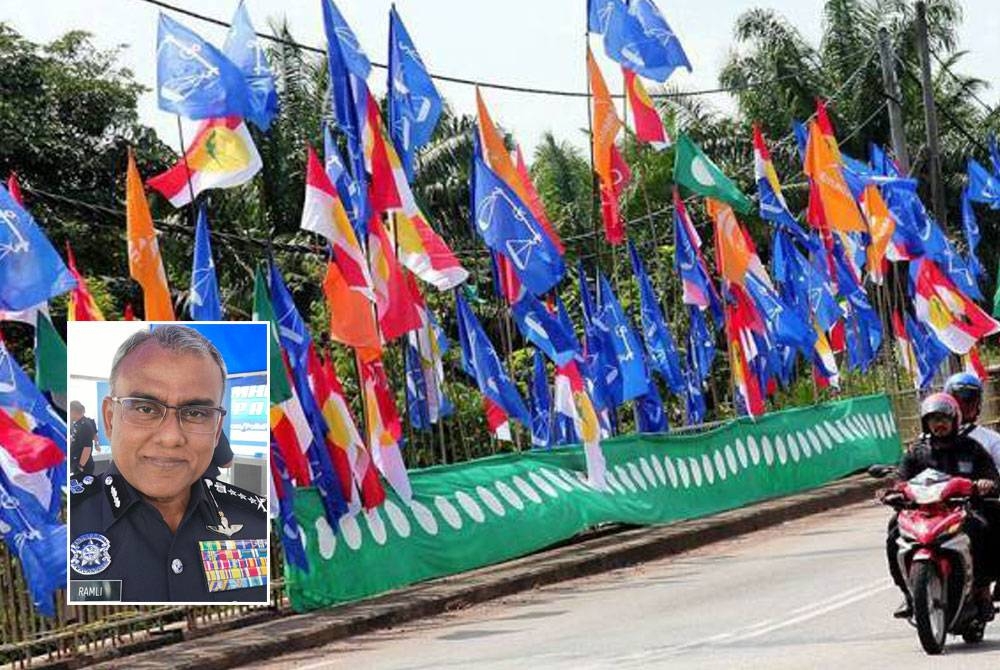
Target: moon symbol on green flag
701,172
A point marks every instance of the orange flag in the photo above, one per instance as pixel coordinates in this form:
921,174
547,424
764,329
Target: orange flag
352,316
733,255
823,167
495,151
606,122
144,261
881,226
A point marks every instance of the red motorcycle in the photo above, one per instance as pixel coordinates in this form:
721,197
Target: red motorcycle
935,555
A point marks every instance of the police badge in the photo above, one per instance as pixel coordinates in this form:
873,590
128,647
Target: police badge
89,554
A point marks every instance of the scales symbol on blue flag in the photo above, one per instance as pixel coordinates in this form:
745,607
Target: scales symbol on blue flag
182,85
518,249
347,39
15,243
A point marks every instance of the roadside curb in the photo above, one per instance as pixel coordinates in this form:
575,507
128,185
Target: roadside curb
281,635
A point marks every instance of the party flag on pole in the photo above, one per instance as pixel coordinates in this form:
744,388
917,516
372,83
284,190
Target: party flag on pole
204,303
648,124
144,262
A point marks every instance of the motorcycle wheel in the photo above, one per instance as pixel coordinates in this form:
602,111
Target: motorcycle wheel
929,607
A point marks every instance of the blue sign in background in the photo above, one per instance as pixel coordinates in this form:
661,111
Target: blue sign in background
246,422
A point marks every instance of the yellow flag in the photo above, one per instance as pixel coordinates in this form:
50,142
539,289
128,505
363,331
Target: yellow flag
144,261
605,122
823,167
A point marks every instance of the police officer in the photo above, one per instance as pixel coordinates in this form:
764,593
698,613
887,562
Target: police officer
152,520
82,438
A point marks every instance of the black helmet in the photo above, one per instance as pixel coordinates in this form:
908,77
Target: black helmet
940,404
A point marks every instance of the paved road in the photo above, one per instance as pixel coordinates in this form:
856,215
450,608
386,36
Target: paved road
812,593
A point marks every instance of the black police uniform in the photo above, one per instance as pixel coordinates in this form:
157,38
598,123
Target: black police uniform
115,534
81,435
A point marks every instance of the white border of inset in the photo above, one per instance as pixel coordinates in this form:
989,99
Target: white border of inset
126,330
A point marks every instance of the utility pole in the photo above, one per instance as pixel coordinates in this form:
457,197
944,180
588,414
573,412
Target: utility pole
887,57
930,118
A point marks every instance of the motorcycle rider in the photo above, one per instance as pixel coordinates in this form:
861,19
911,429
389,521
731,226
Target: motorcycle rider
943,448
967,389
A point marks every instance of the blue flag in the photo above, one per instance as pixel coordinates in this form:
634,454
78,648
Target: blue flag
994,155
544,330
291,538
508,226
599,13
927,349
972,235
649,412
354,57
18,392
343,181
701,345
788,266
480,361
296,341
801,137
600,364
856,173
882,164
31,271
348,68
694,397
822,295
625,344
414,103
659,342
193,78
862,327
205,304
901,199
637,36
37,539
243,49
541,405
939,248
416,389
697,285
785,324
983,187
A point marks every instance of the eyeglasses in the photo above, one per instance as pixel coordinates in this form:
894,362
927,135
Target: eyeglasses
146,413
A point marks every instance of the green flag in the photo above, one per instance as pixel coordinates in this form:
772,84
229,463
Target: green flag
996,296
264,311
696,172
50,357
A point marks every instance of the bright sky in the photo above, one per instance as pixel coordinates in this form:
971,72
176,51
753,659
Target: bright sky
537,43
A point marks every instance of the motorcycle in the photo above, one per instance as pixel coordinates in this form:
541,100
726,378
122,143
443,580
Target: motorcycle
935,555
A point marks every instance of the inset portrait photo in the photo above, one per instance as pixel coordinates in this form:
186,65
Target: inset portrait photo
168,462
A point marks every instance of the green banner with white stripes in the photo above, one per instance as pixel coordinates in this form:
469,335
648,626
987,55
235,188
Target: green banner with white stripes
473,514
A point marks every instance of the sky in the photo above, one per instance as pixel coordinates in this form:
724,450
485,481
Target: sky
534,43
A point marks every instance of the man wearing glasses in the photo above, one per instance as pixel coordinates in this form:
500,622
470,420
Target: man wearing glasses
152,521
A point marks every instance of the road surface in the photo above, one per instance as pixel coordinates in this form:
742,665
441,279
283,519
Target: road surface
813,593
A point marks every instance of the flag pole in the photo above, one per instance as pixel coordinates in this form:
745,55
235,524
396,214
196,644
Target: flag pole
595,220
187,170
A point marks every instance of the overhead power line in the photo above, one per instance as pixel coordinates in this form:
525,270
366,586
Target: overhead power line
476,82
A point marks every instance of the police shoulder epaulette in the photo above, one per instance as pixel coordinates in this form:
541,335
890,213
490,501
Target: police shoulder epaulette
82,487
118,493
227,493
